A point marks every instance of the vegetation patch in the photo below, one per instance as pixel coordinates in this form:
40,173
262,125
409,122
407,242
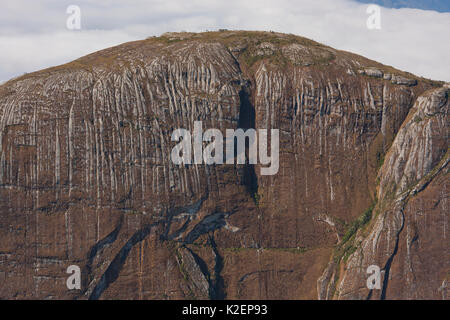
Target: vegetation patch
347,246
417,119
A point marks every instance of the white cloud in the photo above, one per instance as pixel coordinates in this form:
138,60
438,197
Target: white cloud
33,35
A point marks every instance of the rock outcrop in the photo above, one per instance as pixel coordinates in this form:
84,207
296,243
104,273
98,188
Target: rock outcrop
408,235
86,177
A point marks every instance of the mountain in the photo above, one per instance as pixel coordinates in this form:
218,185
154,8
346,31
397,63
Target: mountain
86,176
436,5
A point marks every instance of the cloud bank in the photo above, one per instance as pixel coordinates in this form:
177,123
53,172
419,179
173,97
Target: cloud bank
33,34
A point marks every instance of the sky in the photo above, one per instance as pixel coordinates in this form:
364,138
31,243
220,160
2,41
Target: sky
438,5
35,34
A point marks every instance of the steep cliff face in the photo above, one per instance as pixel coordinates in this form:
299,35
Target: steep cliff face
86,177
407,238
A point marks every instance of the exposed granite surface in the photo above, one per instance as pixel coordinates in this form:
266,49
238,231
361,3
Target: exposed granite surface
86,178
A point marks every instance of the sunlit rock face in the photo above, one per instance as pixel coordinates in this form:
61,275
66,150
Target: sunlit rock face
86,176
408,236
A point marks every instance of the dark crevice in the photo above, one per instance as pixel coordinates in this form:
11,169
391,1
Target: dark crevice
97,248
191,210
218,286
201,264
110,238
178,232
414,239
112,273
369,296
387,267
207,224
247,121
246,110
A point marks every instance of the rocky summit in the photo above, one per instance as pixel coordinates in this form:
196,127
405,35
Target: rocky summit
86,177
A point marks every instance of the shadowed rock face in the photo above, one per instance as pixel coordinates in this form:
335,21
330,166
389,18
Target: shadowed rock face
86,177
